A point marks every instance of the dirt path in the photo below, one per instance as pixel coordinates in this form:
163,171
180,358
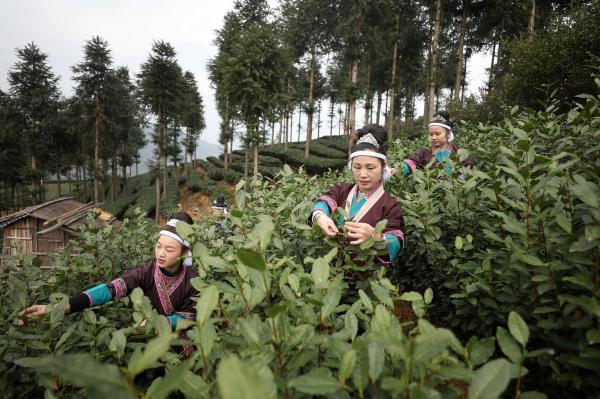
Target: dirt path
195,204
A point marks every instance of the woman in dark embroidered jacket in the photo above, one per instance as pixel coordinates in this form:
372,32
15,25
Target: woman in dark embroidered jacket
365,202
164,279
440,137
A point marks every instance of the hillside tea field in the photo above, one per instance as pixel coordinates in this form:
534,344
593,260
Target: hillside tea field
497,291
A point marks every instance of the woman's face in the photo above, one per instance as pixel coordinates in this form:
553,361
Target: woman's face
167,252
367,172
438,136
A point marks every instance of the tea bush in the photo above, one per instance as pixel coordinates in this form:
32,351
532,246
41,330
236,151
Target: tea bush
520,233
276,316
506,256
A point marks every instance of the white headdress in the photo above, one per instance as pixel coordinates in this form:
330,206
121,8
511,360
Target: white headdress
188,256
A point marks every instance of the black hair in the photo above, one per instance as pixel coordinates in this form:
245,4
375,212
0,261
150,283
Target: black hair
442,116
183,216
220,201
380,135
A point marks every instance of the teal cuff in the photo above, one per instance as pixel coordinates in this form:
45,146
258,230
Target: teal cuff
173,320
394,246
321,205
99,295
405,169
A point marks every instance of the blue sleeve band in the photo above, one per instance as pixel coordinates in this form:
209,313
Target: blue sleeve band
405,169
99,295
173,319
322,206
394,246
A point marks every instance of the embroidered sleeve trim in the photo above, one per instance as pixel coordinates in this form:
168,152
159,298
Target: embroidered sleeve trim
187,315
120,288
90,298
330,202
397,233
410,163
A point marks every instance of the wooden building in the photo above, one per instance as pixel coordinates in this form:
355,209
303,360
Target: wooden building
44,228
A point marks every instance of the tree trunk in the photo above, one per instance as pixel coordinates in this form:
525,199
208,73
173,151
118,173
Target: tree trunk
368,95
225,158
113,196
273,132
531,25
340,122
460,53
280,139
347,120
104,183
246,162
463,79
319,119
289,118
310,111
492,67
286,130
185,153
299,122
255,160
386,113
352,106
379,97
85,193
331,116
124,173
409,108
58,180
393,85
97,152
164,159
433,63
157,207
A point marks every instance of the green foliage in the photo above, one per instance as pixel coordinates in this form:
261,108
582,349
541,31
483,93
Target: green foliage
335,142
562,58
216,174
518,234
215,161
295,157
196,182
264,319
118,207
321,150
506,257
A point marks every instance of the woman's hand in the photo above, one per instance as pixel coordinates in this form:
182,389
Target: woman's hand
33,311
327,225
361,232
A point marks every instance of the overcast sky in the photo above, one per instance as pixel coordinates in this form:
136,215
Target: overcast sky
60,28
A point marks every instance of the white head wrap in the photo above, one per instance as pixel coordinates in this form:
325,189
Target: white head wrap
188,255
370,139
440,120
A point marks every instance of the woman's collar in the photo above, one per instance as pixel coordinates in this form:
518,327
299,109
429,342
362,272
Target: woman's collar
172,274
367,195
